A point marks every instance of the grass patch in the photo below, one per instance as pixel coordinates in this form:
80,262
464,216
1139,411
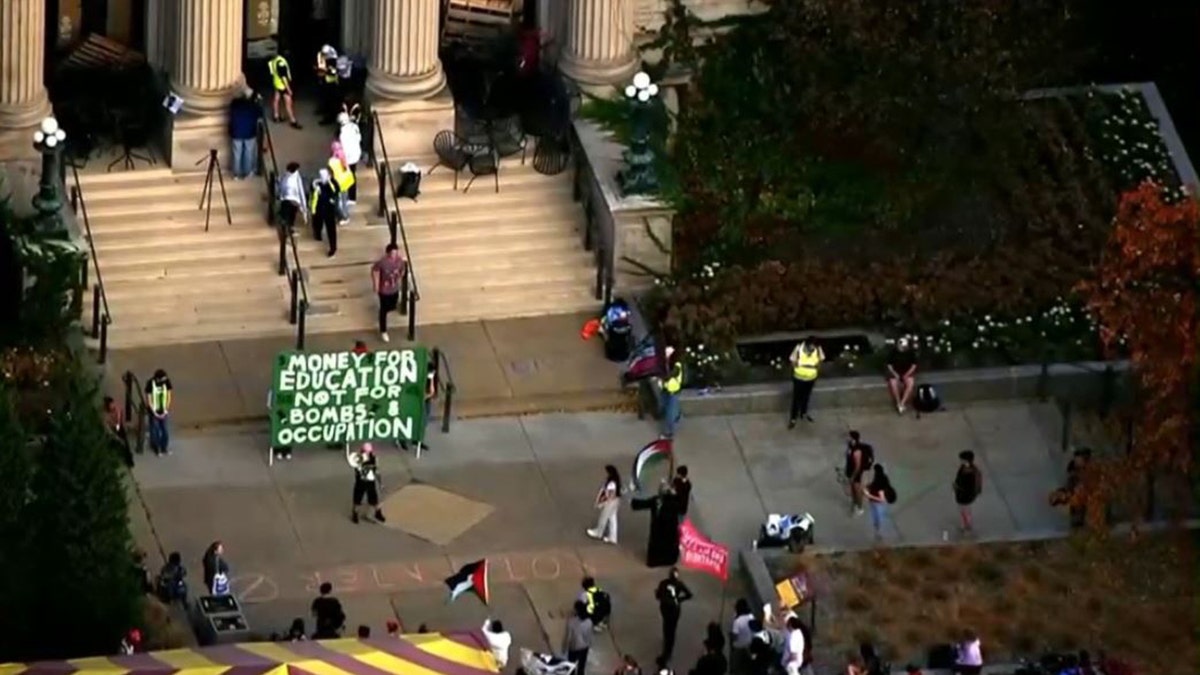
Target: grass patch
1022,599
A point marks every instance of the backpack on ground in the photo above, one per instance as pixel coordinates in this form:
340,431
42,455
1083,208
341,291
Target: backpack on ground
889,493
927,399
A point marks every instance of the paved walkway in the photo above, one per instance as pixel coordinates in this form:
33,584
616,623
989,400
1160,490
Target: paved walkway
286,526
506,367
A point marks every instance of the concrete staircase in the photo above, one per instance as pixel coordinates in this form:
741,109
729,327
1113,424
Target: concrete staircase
167,280
477,255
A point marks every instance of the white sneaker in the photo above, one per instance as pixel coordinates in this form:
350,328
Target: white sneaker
352,202
610,540
384,337
592,533
901,409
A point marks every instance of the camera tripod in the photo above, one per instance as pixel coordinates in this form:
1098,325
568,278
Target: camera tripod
206,194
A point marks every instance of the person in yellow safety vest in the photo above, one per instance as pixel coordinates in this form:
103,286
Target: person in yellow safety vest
343,177
597,602
806,360
327,80
158,400
672,384
281,82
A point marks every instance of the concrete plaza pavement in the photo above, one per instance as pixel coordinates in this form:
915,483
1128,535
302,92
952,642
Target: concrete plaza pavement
286,526
503,367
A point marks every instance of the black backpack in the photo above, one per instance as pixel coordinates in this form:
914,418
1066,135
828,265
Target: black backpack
889,493
603,606
927,399
868,458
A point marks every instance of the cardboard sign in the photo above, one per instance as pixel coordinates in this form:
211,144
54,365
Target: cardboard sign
343,397
697,552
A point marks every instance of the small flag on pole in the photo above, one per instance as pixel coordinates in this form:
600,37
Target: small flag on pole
653,453
472,577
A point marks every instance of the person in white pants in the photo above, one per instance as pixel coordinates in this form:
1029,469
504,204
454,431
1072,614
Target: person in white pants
608,501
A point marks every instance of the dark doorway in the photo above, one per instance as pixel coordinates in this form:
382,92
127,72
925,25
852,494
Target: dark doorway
306,25
95,17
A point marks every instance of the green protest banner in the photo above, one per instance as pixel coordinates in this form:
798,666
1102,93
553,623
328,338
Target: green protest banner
343,397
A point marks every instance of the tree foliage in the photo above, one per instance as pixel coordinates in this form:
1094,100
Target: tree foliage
1145,296
841,115
16,468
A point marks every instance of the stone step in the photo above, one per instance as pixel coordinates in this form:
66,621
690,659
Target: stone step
127,336
531,300
148,209
190,239
158,312
456,255
200,270
189,184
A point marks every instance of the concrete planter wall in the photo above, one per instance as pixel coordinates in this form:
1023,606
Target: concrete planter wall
1078,383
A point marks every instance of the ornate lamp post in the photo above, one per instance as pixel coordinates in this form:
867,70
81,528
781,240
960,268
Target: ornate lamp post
639,177
48,140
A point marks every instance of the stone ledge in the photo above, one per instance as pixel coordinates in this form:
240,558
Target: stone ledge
1076,382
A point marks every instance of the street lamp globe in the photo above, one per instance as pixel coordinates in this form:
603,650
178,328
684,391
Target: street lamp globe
643,95
641,80
49,126
653,89
631,91
38,137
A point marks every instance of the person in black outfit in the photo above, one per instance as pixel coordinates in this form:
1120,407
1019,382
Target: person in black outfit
323,203
671,594
712,662
213,562
662,549
328,613
968,483
683,488
366,481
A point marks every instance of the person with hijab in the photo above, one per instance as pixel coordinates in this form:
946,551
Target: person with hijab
323,203
214,564
350,138
608,502
343,177
662,548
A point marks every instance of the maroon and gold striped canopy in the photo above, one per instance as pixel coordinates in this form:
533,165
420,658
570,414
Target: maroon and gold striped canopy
424,654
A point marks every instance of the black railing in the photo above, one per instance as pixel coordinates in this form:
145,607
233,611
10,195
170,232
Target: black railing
441,364
410,291
298,302
101,317
136,413
598,232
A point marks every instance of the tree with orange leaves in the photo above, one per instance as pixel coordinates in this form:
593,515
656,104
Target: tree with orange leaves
1144,296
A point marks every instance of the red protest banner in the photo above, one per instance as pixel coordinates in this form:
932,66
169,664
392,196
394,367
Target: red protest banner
697,552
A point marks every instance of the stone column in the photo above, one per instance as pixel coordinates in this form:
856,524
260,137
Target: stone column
599,46
23,99
356,27
404,61
207,64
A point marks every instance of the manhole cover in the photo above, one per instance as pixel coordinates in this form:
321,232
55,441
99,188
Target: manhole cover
524,367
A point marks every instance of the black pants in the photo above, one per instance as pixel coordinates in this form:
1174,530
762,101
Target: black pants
387,303
352,193
288,210
579,657
327,105
120,443
801,393
325,221
670,623
367,489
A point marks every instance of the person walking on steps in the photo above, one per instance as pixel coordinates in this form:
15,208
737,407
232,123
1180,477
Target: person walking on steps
291,195
672,384
281,81
343,177
608,502
386,276
350,136
671,594
806,360
158,400
366,481
327,80
323,206
244,113
968,484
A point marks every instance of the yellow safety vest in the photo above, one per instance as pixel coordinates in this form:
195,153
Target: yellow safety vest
341,174
675,383
590,595
276,78
806,364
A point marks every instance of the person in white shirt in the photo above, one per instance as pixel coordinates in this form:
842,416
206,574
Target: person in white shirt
291,195
608,501
793,648
350,136
499,640
969,657
741,635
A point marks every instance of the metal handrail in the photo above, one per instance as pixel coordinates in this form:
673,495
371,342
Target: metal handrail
133,393
100,322
389,185
597,237
441,363
297,284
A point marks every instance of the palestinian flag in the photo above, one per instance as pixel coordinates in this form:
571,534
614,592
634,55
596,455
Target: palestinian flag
654,453
472,577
